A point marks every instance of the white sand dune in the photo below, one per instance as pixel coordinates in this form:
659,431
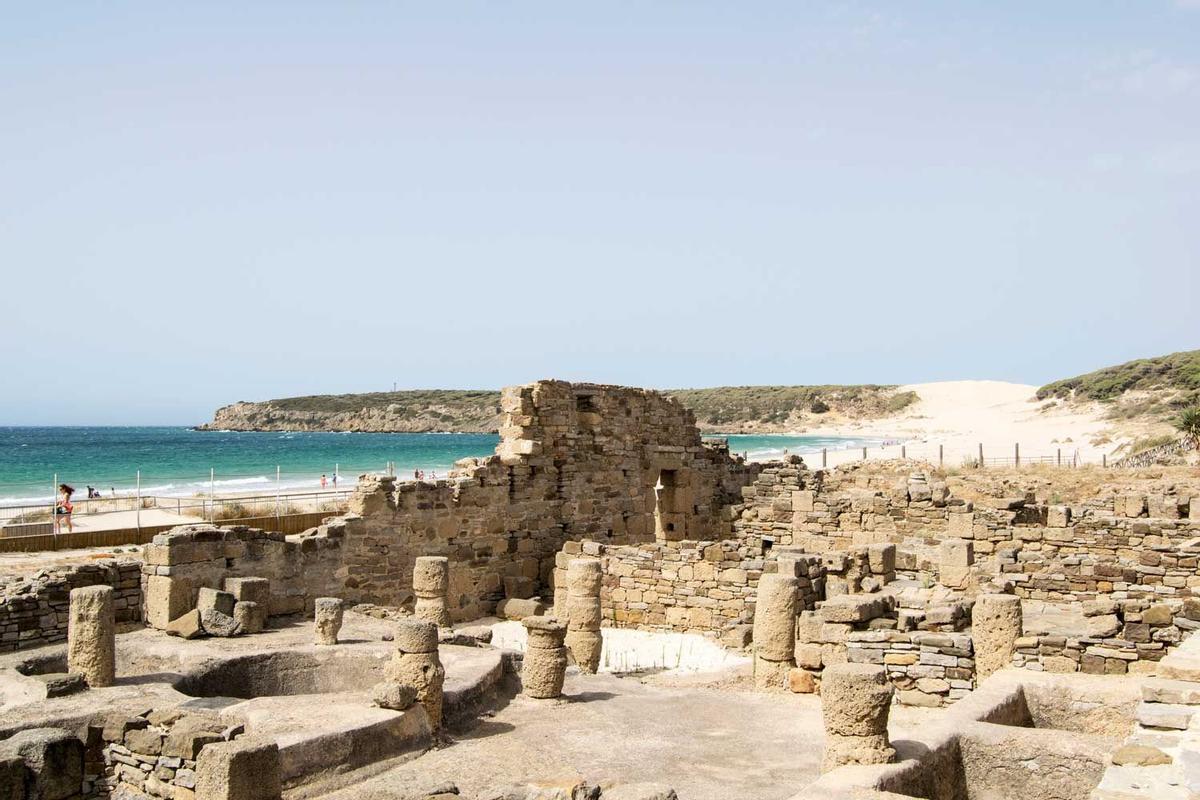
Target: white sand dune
961,415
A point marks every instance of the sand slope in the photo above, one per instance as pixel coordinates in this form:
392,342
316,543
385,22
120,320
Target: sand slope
961,415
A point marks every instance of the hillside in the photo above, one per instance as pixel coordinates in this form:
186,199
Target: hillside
730,409
1148,388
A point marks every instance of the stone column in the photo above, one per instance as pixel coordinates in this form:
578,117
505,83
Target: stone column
774,630
91,635
995,628
327,620
583,613
431,582
545,665
415,663
855,701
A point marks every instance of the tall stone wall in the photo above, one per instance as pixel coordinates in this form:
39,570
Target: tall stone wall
34,611
613,464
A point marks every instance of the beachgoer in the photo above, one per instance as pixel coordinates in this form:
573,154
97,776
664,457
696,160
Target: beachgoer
322,481
416,474
335,480
62,511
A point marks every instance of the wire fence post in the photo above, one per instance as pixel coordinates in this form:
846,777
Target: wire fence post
212,493
981,455
276,495
903,452
54,509
824,456
1104,460
940,456
864,458
138,512
1017,454
1058,457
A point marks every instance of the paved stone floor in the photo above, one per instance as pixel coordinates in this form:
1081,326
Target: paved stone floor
708,742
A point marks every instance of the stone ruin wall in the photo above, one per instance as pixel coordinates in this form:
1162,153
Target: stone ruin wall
34,610
575,461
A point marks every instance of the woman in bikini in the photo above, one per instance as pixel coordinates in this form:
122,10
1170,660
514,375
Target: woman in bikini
62,512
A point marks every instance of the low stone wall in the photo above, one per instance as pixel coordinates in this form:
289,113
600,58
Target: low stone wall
300,568
927,669
34,610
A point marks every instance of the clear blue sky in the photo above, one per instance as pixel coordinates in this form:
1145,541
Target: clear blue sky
208,202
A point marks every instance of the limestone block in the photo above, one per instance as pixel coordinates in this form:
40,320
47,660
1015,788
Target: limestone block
91,635
251,616
166,599
801,681
545,665
852,608
216,600
518,609
244,769
584,613
52,759
327,620
431,581
584,577
775,618
957,553
882,558
1058,516
254,590
995,626
585,648
1103,627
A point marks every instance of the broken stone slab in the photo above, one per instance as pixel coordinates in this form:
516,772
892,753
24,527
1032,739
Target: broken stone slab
519,608
851,608
53,760
394,696
1164,715
187,626
61,685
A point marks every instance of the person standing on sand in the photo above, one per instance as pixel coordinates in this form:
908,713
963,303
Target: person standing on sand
62,511
322,481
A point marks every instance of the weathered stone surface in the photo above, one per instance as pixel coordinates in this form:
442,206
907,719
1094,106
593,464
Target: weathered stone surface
215,623
775,618
995,626
855,701
91,635
53,760
216,600
583,638
545,664
421,671
253,590
244,769
640,791
1139,755
186,626
431,581
393,695
327,620
415,636
250,616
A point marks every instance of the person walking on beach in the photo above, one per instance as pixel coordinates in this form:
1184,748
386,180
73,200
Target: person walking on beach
62,511
335,480
322,481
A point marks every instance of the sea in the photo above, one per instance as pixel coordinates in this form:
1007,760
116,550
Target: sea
181,462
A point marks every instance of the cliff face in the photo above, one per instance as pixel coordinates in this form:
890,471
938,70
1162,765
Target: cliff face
385,419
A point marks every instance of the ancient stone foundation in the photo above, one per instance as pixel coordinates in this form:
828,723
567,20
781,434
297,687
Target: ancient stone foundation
91,635
774,630
431,581
327,620
545,665
583,613
416,664
995,628
244,769
855,700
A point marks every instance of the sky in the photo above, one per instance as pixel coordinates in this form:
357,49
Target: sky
209,202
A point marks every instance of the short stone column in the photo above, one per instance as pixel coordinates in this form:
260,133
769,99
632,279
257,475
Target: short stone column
583,613
545,665
327,620
91,635
431,582
774,630
855,701
995,627
416,664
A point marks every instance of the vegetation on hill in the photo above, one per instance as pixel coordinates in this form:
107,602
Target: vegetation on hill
1148,387
724,409
764,407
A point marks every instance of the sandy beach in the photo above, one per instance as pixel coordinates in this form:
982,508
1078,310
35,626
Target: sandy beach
959,416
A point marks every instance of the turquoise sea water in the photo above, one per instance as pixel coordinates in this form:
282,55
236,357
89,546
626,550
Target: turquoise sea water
176,461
